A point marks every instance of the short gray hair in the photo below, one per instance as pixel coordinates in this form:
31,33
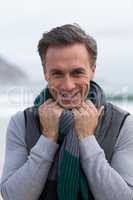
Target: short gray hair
67,34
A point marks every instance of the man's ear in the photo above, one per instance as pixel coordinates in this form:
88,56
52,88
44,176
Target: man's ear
93,70
45,73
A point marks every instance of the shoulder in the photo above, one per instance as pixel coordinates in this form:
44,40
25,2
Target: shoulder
125,138
17,120
118,110
16,128
128,122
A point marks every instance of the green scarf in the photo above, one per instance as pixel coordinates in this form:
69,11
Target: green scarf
71,181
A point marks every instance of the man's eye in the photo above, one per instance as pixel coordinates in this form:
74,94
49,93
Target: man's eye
57,74
77,73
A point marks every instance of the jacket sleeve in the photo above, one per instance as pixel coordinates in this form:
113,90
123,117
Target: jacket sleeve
24,176
115,181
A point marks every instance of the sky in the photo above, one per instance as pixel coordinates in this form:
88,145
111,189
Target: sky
109,22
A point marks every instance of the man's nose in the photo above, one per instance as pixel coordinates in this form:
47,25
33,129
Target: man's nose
68,83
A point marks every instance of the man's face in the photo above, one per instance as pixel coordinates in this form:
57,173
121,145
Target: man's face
68,72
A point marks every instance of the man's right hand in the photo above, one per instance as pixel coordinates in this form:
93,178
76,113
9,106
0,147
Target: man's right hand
49,113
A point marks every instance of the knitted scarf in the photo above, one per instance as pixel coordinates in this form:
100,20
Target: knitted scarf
66,169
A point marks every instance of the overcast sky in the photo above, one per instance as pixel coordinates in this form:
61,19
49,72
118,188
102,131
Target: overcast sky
110,22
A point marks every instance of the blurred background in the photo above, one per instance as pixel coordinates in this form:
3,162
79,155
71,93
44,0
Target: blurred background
21,26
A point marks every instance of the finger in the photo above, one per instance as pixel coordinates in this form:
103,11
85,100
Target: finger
79,105
58,107
51,103
48,101
91,105
75,111
100,111
87,108
90,110
81,109
84,105
47,105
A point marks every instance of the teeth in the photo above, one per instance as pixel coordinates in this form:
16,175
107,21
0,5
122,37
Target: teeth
68,95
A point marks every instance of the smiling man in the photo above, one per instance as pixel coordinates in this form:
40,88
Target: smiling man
68,70
71,144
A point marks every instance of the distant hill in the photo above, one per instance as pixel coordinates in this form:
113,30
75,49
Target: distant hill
11,74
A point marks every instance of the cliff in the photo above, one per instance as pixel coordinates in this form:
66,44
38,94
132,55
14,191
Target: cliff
11,74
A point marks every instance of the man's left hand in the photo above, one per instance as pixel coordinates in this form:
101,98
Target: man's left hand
86,119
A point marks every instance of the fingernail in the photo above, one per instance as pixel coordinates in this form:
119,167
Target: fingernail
88,101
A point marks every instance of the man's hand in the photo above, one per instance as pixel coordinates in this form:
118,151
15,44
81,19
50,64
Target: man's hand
86,119
49,113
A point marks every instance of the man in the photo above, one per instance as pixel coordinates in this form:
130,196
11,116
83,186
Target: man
71,144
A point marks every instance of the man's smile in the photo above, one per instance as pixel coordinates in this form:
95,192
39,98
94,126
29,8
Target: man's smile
72,99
